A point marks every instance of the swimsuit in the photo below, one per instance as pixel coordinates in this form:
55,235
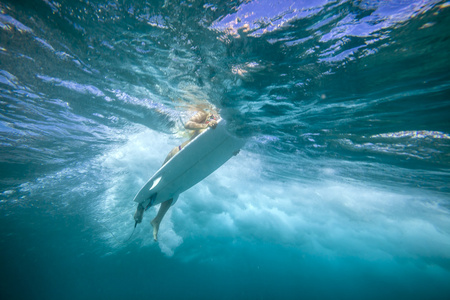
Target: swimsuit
211,118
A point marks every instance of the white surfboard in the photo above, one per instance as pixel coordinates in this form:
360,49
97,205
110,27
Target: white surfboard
193,163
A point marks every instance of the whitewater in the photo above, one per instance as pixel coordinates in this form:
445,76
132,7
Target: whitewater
341,190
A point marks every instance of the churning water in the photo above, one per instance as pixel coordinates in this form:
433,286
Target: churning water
341,191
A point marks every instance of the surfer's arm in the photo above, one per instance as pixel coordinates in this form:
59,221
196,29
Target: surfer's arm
193,125
198,121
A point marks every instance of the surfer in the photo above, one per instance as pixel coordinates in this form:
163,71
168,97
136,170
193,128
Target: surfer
198,123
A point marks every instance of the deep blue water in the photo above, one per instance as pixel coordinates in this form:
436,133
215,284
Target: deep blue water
342,190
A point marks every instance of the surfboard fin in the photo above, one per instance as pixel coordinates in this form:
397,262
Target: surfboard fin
155,183
152,199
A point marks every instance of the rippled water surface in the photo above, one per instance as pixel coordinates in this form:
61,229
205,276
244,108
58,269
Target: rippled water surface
340,192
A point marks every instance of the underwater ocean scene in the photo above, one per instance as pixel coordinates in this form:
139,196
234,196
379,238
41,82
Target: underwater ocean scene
341,191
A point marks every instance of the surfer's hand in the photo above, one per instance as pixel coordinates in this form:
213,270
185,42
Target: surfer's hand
212,124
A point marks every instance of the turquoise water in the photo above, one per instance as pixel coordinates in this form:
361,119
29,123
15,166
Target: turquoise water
341,191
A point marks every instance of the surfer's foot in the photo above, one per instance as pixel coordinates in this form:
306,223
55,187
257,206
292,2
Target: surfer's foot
155,226
139,214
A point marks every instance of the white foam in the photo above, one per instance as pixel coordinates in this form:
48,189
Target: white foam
327,217
238,201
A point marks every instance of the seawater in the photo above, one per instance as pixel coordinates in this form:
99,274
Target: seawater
341,191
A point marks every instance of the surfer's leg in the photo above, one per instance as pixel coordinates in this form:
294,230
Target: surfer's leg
163,208
139,214
171,154
175,151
